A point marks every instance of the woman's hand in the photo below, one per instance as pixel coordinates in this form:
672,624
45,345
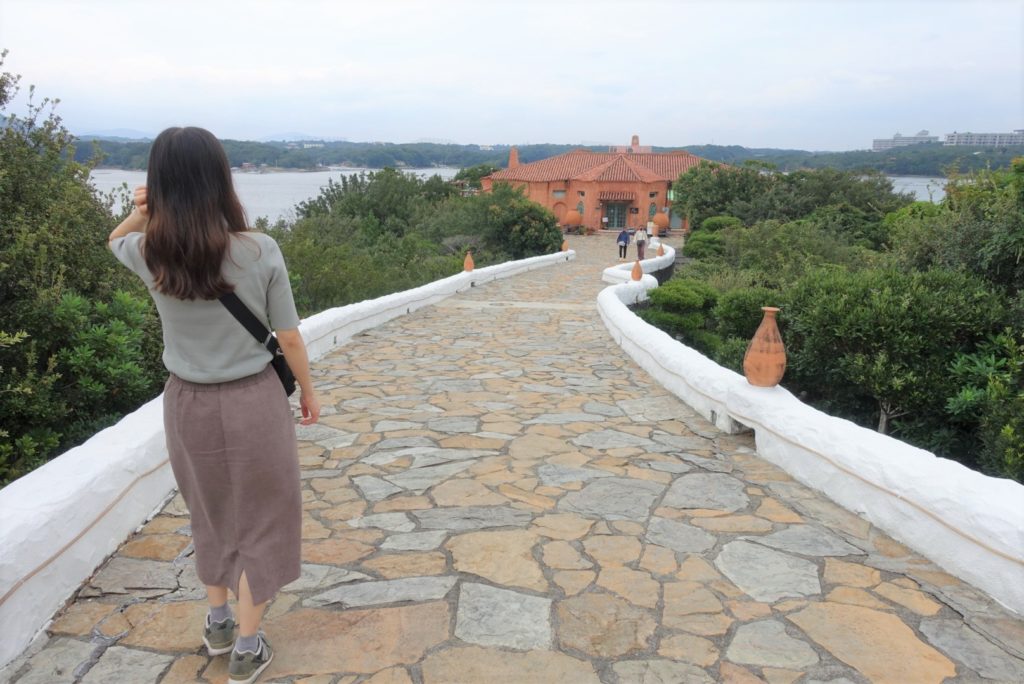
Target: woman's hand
140,200
298,360
310,405
136,221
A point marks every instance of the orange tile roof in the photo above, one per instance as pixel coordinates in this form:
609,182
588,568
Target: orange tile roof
584,165
619,195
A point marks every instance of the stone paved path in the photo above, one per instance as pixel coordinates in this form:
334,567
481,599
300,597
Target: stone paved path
496,494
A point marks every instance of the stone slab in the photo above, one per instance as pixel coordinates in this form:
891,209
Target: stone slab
471,518
315,577
313,642
610,439
959,641
765,574
660,672
614,498
143,578
411,589
489,616
765,643
374,488
879,645
678,536
59,661
414,541
808,540
554,475
715,491
474,665
127,665
603,626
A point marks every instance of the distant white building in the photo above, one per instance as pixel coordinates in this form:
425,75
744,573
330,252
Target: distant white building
986,139
903,141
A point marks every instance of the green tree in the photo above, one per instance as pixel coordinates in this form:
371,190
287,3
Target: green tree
472,175
52,253
714,223
516,225
885,339
710,189
992,400
978,228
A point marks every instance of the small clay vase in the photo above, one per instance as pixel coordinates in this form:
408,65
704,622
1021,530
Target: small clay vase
764,364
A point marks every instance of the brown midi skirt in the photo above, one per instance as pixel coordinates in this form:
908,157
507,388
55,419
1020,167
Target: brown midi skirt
234,455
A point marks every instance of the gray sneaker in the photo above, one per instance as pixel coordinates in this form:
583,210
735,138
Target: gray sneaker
219,637
246,667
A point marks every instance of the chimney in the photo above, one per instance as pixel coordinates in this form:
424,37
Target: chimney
513,158
634,145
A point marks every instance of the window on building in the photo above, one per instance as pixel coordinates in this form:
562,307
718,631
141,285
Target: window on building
582,194
579,208
558,194
652,210
652,195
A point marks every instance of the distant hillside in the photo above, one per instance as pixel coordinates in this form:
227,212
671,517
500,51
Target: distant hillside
118,135
915,160
918,160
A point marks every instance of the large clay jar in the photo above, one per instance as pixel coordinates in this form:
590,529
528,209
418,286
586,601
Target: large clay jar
765,361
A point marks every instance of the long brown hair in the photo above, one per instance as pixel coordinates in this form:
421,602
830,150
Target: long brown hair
193,209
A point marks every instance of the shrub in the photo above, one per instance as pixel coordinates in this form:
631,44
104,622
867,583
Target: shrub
718,222
875,345
738,312
992,400
704,245
682,308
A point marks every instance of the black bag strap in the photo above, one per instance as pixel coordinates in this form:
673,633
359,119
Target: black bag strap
247,318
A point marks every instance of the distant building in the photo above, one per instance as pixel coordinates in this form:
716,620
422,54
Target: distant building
986,139
898,140
311,145
625,187
633,147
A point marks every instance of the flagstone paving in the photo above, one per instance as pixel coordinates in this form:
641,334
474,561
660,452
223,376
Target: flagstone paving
495,493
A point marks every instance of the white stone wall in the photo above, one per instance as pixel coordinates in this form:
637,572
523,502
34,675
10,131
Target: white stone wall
970,524
59,522
621,273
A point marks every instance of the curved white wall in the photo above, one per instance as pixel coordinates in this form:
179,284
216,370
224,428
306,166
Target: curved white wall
970,524
620,273
59,522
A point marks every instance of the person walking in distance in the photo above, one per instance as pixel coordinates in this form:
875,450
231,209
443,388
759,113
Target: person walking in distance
229,426
623,242
641,242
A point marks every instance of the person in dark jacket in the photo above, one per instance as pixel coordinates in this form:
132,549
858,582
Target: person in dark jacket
623,241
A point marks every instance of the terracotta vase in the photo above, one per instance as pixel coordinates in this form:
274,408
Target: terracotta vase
765,361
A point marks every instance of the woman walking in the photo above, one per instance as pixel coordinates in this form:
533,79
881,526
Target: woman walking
641,243
229,427
623,241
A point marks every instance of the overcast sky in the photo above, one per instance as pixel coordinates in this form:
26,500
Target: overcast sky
823,75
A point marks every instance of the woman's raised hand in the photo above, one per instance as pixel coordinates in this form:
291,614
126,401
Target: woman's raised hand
140,200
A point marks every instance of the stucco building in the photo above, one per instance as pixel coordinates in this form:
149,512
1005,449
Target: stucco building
898,140
986,139
624,187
